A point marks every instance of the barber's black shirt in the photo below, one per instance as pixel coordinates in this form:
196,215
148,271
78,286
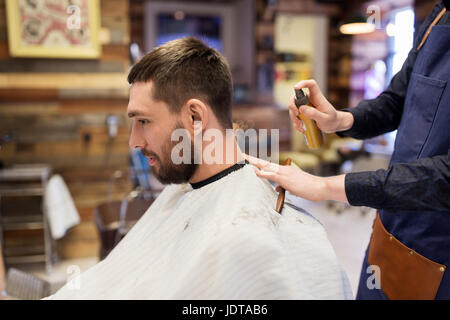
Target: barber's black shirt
423,184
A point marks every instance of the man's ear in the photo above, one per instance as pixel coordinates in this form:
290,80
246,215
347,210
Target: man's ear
197,112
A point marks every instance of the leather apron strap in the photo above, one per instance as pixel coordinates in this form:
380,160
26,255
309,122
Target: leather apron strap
435,21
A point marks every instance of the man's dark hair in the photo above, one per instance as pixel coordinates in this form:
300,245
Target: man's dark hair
187,68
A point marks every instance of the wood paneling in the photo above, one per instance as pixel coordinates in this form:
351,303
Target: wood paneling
110,52
75,106
63,80
59,66
114,52
4,53
28,95
57,108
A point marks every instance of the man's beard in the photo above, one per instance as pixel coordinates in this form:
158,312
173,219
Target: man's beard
169,172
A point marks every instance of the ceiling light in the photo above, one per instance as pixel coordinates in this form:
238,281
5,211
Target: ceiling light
356,25
390,29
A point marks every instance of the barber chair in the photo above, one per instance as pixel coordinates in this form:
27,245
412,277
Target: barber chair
115,218
25,286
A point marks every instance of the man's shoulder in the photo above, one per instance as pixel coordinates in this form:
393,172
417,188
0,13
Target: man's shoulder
246,200
263,227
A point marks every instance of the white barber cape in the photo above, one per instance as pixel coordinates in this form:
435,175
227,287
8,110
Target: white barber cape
221,241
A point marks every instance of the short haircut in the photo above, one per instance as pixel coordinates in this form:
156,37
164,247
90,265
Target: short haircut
187,68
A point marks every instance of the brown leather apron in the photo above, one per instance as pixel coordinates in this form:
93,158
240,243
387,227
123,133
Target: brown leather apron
404,273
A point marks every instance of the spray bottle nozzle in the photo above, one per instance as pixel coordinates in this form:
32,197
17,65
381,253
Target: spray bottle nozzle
300,98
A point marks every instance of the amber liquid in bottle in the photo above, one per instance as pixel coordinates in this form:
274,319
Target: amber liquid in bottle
313,135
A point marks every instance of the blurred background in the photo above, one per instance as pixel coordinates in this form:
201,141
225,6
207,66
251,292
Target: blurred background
70,187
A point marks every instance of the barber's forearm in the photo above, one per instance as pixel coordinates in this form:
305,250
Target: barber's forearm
345,120
334,188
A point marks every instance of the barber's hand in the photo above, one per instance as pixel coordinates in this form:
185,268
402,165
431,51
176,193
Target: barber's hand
328,119
292,179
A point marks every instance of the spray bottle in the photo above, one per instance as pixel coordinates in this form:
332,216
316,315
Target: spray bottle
313,136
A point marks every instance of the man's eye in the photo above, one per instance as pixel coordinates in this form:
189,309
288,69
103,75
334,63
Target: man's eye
143,121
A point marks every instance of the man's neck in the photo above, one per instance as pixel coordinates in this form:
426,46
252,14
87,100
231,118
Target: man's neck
230,158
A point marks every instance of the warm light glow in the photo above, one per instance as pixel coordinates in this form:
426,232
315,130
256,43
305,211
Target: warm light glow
390,29
357,28
404,37
179,15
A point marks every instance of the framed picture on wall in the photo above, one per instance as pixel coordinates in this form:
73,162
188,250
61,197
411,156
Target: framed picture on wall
53,28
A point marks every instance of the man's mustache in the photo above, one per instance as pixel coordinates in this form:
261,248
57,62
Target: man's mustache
146,153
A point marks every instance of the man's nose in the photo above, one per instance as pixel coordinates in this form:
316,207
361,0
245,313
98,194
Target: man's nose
136,139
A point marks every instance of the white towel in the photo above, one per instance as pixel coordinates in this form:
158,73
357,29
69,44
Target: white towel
61,211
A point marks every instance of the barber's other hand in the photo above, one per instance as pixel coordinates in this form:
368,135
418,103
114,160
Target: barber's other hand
328,119
292,179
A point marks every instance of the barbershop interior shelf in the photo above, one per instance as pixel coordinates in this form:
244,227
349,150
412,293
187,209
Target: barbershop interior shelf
29,222
13,260
24,229
21,192
19,172
21,251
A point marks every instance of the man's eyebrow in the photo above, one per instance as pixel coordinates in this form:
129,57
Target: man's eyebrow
133,113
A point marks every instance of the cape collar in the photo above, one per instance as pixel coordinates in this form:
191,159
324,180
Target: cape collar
220,175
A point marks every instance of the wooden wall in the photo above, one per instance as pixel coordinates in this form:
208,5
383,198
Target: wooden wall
57,108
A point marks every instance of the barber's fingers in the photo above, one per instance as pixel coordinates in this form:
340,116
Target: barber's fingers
278,177
315,95
265,169
313,113
273,176
311,84
262,164
296,122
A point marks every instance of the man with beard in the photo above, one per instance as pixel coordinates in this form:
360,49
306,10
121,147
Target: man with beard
213,232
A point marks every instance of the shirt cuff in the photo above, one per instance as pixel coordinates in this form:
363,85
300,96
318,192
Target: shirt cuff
355,129
365,188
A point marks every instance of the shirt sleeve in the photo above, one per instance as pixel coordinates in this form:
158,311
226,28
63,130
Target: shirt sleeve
419,185
383,114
